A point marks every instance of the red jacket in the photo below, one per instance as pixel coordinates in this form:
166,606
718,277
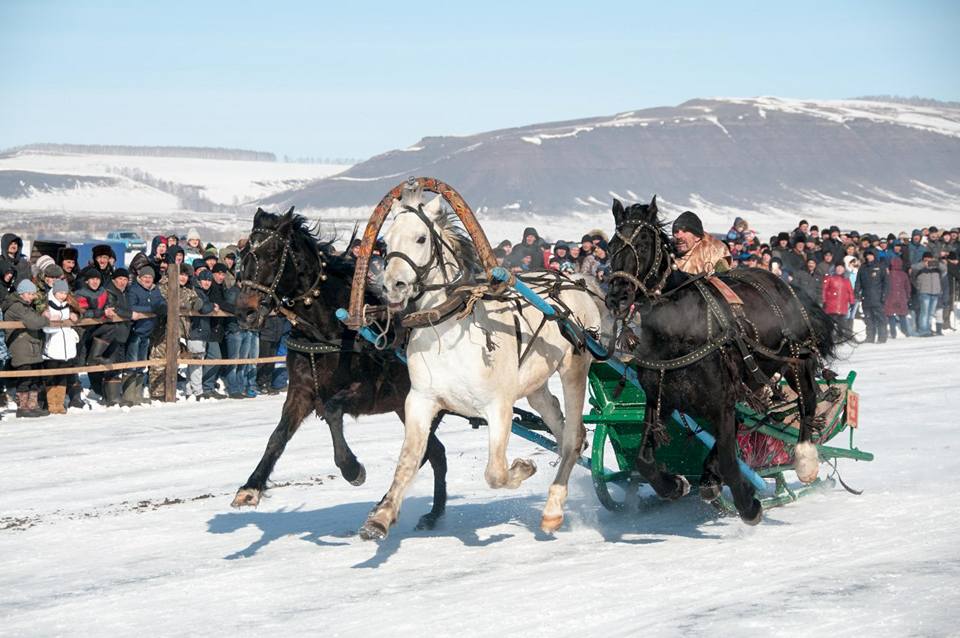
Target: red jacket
837,295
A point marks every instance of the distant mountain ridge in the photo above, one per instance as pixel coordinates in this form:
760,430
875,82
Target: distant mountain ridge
720,154
196,152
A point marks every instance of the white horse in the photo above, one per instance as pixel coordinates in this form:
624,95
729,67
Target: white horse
472,366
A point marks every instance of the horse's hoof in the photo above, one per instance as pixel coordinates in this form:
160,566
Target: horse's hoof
246,497
806,462
683,485
754,519
361,476
373,531
550,524
428,521
710,491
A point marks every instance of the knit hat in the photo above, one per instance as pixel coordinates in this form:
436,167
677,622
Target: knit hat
602,245
121,272
205,275
186,269
52,271
60,285
198,263
146,270
210,253
43,261
193,234
26,286
583,239
690,222
221,268
91,272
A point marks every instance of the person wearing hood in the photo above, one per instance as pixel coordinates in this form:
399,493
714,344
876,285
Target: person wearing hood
25,346
896,304
698,252
11,254
228,257
870,290
838,295
158,252
738,231
529,245
194,247
60,344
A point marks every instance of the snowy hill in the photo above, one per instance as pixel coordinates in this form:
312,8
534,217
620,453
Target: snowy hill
38,179
770,159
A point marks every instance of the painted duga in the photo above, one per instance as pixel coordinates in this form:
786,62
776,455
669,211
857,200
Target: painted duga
471,366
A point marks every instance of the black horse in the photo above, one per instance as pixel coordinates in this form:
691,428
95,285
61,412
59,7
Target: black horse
284,267
699,354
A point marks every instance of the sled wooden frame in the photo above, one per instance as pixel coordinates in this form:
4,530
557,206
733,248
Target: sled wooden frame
358,289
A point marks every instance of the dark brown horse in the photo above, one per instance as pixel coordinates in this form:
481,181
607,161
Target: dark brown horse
700,355
284,266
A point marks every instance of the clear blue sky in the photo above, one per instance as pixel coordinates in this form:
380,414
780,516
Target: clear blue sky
357,78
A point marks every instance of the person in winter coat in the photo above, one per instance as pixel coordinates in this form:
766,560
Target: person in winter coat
67,260
927,280
158,252
11,254
951,288
870,290
118,308
838,296
60,344
529,245
92,299
699,252
103,258
25,346
228,257
896,304
809,281
144,298
199,335
194,247
216,344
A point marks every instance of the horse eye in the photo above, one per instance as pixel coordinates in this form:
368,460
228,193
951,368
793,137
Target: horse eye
421,239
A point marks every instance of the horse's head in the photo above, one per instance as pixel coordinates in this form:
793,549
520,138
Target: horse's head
424,250
638,255
265,270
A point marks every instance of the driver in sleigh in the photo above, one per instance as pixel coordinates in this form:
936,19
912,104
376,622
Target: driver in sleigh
698,253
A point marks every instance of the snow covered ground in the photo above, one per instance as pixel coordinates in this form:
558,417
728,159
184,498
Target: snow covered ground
118,522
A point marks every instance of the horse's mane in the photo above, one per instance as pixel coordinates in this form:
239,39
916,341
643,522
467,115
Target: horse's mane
643,212
309,234
460,240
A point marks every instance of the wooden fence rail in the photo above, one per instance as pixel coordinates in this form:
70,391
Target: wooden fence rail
173,359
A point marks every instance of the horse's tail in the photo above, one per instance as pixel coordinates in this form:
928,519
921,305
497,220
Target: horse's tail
829,333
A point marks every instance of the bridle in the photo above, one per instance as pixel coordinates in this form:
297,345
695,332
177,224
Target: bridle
641,282
284,305
437,246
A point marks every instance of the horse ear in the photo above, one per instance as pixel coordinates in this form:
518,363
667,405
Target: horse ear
258,215
432,208
653,210
289,213
618,212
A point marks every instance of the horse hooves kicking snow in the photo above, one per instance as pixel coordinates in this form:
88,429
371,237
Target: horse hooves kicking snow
373,531
754,519
246,497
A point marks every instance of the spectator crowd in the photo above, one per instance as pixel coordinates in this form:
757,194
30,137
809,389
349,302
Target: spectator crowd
906,284
132,306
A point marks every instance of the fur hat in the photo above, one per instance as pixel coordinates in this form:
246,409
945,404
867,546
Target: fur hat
688,221
229,251
103,249
783,236
186,269
220,268
67,252
120,272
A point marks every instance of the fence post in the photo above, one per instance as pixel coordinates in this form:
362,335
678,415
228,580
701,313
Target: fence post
173,333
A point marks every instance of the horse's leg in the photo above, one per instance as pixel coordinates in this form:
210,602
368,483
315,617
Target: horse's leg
548,407
806,461
665,484
574,379
296,407
420,412
499,417
710,481
437,456
351,469
749,508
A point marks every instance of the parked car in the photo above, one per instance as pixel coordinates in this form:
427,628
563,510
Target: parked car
132,240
